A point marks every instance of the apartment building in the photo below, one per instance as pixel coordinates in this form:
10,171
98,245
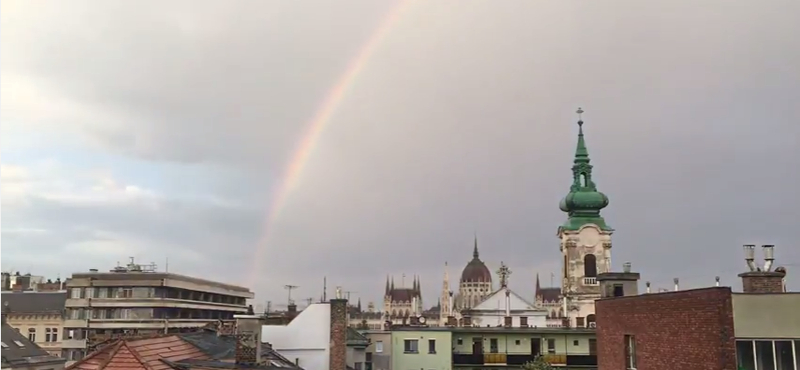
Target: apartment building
710,328
38,316
136,299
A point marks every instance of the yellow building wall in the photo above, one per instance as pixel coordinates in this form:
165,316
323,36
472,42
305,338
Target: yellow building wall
39,323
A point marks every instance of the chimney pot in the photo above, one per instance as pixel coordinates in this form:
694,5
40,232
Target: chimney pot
717,280
626,267
648,286
677,286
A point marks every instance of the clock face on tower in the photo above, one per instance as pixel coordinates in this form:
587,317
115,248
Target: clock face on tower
589,237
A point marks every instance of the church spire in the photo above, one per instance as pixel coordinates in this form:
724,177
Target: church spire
584,202
387,285
391,287
475,250
536,293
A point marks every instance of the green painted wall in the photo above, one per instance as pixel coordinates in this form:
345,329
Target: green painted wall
520,343
422,359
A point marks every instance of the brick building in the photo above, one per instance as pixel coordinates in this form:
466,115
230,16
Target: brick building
710,328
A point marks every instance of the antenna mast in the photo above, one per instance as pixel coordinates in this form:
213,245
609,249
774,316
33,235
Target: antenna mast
290,287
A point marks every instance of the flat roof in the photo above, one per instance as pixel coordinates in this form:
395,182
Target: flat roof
134,275
501,330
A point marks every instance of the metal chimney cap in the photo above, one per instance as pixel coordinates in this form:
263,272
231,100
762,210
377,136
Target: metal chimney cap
749,251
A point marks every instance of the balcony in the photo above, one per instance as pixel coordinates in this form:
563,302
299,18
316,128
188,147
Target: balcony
518,358
590,281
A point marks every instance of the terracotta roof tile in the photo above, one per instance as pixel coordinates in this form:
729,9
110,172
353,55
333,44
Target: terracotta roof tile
141,354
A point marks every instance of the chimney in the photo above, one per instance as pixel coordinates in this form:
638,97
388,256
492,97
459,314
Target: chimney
248,340
717,280
291,311
677,285
507,320
338,339
619,284
648,287
762,281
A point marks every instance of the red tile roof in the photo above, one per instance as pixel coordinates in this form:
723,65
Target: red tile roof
140,354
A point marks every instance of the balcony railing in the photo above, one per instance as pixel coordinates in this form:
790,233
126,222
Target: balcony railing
590,281
520,358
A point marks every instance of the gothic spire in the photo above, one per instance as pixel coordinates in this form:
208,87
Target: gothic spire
537,285
475,250
419,287
387,284
392,286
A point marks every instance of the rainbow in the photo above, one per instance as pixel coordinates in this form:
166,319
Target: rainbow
315,128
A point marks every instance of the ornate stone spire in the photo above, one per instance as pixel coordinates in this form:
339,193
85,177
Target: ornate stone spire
583,202
387,285
475,254
503,272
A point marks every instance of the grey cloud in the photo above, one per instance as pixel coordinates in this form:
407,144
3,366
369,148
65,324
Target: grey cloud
461,121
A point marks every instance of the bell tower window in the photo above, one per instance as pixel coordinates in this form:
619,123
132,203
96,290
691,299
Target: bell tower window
583,181
590,266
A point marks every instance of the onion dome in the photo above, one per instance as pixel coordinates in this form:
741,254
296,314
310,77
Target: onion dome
583,202
476,271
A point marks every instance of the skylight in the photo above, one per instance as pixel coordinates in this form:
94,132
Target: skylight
4,345
18,343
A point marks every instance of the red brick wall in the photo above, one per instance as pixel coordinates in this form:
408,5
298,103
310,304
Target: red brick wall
762,282
338,356
690,329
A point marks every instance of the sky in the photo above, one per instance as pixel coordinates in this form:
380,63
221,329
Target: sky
171,130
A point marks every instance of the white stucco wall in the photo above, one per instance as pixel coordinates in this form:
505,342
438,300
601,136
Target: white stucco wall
306,338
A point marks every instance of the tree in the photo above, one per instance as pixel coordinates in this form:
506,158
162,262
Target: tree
538,363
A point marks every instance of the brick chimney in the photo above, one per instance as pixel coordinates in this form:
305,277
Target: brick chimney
248,339
338,340
762,280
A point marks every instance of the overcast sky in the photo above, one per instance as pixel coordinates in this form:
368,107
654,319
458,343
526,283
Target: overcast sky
163,129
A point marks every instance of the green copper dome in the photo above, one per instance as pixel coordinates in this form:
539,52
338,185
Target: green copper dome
583,202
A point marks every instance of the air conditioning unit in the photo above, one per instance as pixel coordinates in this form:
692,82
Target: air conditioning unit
592,325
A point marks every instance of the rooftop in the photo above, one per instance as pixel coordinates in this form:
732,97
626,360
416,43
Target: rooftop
19,351
34,302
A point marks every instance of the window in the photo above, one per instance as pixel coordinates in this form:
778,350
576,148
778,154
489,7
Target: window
618,290
551,346
102,293
590,266
630,352
593,347
379,346
758,354
523,321
47,335
517,342
32,334
575,342
4,345
459,341
431,345
579,322
493,347
411,346
75,293
19,344
90,292
358,366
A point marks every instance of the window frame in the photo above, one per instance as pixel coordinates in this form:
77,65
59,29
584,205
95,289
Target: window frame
630,351
407,347
431,346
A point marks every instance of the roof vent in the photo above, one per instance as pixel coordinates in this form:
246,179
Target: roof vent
93,270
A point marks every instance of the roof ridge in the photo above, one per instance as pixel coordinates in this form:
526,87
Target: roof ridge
114,351
138,356
92,355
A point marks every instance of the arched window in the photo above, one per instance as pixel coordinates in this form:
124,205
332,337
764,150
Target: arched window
584,183
589,320
590,266
566,267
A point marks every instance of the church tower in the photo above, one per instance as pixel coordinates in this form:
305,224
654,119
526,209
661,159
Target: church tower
444,300
585,239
